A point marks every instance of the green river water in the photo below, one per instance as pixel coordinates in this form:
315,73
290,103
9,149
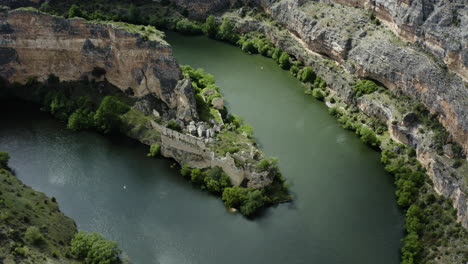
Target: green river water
344,209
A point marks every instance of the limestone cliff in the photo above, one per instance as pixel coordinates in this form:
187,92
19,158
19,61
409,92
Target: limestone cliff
132,59
372,53
426,23
36,44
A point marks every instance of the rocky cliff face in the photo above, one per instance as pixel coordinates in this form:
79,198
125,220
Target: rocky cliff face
36,44
348,36
426,23
341,42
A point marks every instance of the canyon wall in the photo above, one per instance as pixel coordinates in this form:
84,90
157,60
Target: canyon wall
34,44
342,42
439,26
349,37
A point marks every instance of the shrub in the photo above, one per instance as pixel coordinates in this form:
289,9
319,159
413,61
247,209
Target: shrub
334,112
108,115
81,119
33,236
154,150
307,75
197,176
212,185
368,136
276,54
253,201
210,28
246,199
284,61
264,47
227,33
268,164
188,27
294,70
249,46
185,170
319,83
93,248
318,94
411,248
457,164
75,11
363,87
174,126
4,158
103,252
59,105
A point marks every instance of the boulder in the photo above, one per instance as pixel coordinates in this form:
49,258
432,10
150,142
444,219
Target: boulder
218,103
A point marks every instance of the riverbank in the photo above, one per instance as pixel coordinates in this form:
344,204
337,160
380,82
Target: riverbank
367,113
180,113
336,76
34,230
363,113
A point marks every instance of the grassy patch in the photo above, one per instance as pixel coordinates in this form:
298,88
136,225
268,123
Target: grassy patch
31,224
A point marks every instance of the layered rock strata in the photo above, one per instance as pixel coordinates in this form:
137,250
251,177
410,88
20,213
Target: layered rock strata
341,43
35,45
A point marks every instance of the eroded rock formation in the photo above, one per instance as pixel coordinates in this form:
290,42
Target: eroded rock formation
34,44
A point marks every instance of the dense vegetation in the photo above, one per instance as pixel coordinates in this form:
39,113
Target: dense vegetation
248,200
430,219
235,137
93,248
205,91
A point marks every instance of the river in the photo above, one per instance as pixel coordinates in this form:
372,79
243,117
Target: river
344,209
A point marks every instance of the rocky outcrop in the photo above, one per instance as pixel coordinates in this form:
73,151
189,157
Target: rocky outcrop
371,52
340,43
192,151
447,179
426,23
34,44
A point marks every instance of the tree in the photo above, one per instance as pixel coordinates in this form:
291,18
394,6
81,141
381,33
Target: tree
188,27
249,46
411,249
368,136
107,116
276,54
318,94
197,176
4,158
226,31
174,125
307,75
154,150
81,119
363,87
103,252
284,61
134,14
268,164
253,201
75,11
210,27
93,248
185,171
33,236
234,196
